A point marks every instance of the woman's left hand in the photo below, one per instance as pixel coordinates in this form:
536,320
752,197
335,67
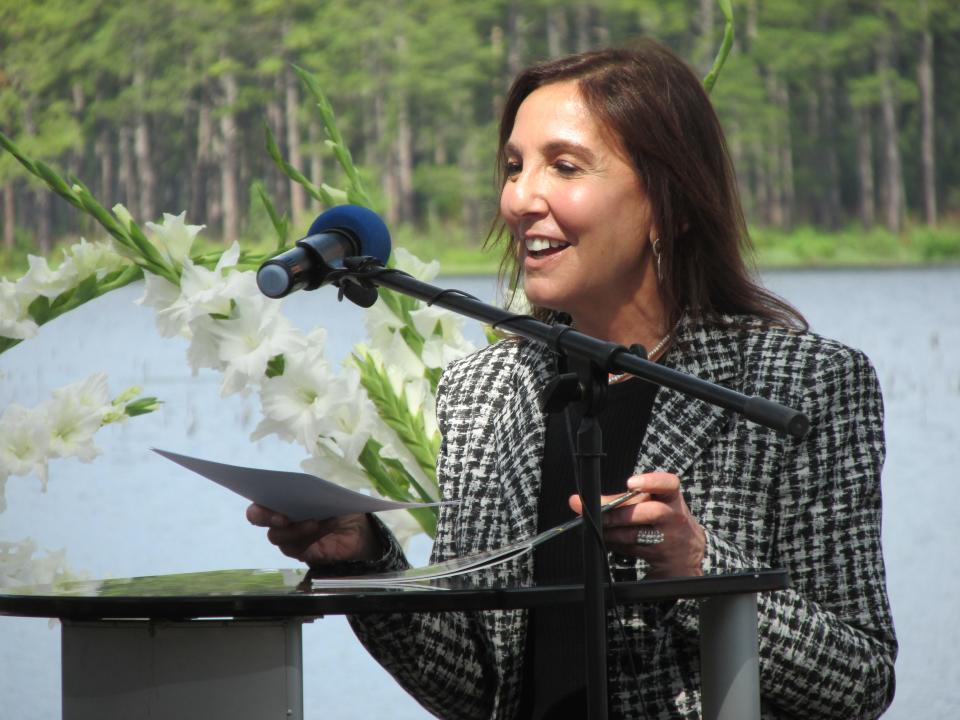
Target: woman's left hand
659,506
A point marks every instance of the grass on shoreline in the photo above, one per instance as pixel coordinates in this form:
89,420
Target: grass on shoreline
798,248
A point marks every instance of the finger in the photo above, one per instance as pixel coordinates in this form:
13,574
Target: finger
294,533
660,484
577,505
265,517
652,512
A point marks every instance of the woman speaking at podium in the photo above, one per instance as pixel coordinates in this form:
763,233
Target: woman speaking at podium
620,214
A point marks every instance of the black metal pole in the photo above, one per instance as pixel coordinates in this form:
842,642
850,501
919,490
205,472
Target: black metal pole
593,385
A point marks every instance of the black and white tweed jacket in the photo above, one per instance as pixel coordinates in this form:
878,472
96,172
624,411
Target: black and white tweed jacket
827,644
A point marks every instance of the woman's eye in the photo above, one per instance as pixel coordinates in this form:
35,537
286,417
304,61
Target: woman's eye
565,168
513,167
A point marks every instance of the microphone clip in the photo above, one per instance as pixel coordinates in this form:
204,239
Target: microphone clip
352,282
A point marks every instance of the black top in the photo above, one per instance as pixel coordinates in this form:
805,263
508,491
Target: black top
554,684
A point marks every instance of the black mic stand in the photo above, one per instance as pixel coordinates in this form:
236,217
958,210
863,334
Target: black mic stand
592,360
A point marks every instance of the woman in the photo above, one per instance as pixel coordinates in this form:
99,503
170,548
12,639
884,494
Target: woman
620,211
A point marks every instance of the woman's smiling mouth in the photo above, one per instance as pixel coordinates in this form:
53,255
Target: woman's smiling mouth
542,247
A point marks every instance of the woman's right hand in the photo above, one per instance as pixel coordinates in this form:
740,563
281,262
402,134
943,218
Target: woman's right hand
319,542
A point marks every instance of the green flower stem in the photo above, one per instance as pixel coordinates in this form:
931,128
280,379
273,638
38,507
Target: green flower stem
356,192
84,292
281,223
143,251
317,192
711,78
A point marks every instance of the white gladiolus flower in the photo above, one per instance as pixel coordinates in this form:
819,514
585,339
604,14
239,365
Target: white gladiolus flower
161,294
75,414
328,463
247,341
438,352
96,258
411,264
296,405
173,237
381,324
403,362
24,443
201,292
40,279
15,321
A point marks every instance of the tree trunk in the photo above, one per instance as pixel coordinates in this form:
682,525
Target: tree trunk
499,84
128,184
9,216
760,188
516,40
199,196
705,42
583,27
891,191
928,168
104,149
557,30
298,196
42,208
785,146
229,164
866,204
404,161
145,171
827,145
278,185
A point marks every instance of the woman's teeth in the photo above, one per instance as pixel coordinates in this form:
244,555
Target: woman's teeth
539,245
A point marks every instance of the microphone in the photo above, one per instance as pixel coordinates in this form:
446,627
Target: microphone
341,232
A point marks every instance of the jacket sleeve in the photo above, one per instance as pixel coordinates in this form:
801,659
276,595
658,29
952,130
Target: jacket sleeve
827,644
441,659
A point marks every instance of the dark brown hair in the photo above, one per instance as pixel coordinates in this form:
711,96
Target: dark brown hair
658,113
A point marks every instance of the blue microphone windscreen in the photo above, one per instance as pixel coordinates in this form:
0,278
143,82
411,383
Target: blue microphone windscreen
367,228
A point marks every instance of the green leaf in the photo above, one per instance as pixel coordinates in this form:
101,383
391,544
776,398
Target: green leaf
394,410
39,309
281,224
389,478
275,366
86,290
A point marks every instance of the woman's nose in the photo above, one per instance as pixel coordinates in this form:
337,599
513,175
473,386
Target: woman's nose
523,195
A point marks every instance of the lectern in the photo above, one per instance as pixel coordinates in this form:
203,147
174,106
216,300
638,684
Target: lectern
228,643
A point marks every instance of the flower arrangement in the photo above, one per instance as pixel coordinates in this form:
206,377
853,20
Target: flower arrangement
369,424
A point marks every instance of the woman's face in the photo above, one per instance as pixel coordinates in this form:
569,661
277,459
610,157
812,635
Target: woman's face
575,206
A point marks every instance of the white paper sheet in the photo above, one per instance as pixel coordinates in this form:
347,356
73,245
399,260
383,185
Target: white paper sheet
297,495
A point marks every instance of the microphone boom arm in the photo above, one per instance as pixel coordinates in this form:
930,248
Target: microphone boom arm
610,356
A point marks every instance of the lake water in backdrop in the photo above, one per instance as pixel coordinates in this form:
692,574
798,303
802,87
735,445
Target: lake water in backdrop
131,512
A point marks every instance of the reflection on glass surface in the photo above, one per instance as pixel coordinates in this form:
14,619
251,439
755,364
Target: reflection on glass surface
217,582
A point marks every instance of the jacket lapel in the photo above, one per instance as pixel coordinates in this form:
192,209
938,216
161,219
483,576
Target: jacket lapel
681,427
519,441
